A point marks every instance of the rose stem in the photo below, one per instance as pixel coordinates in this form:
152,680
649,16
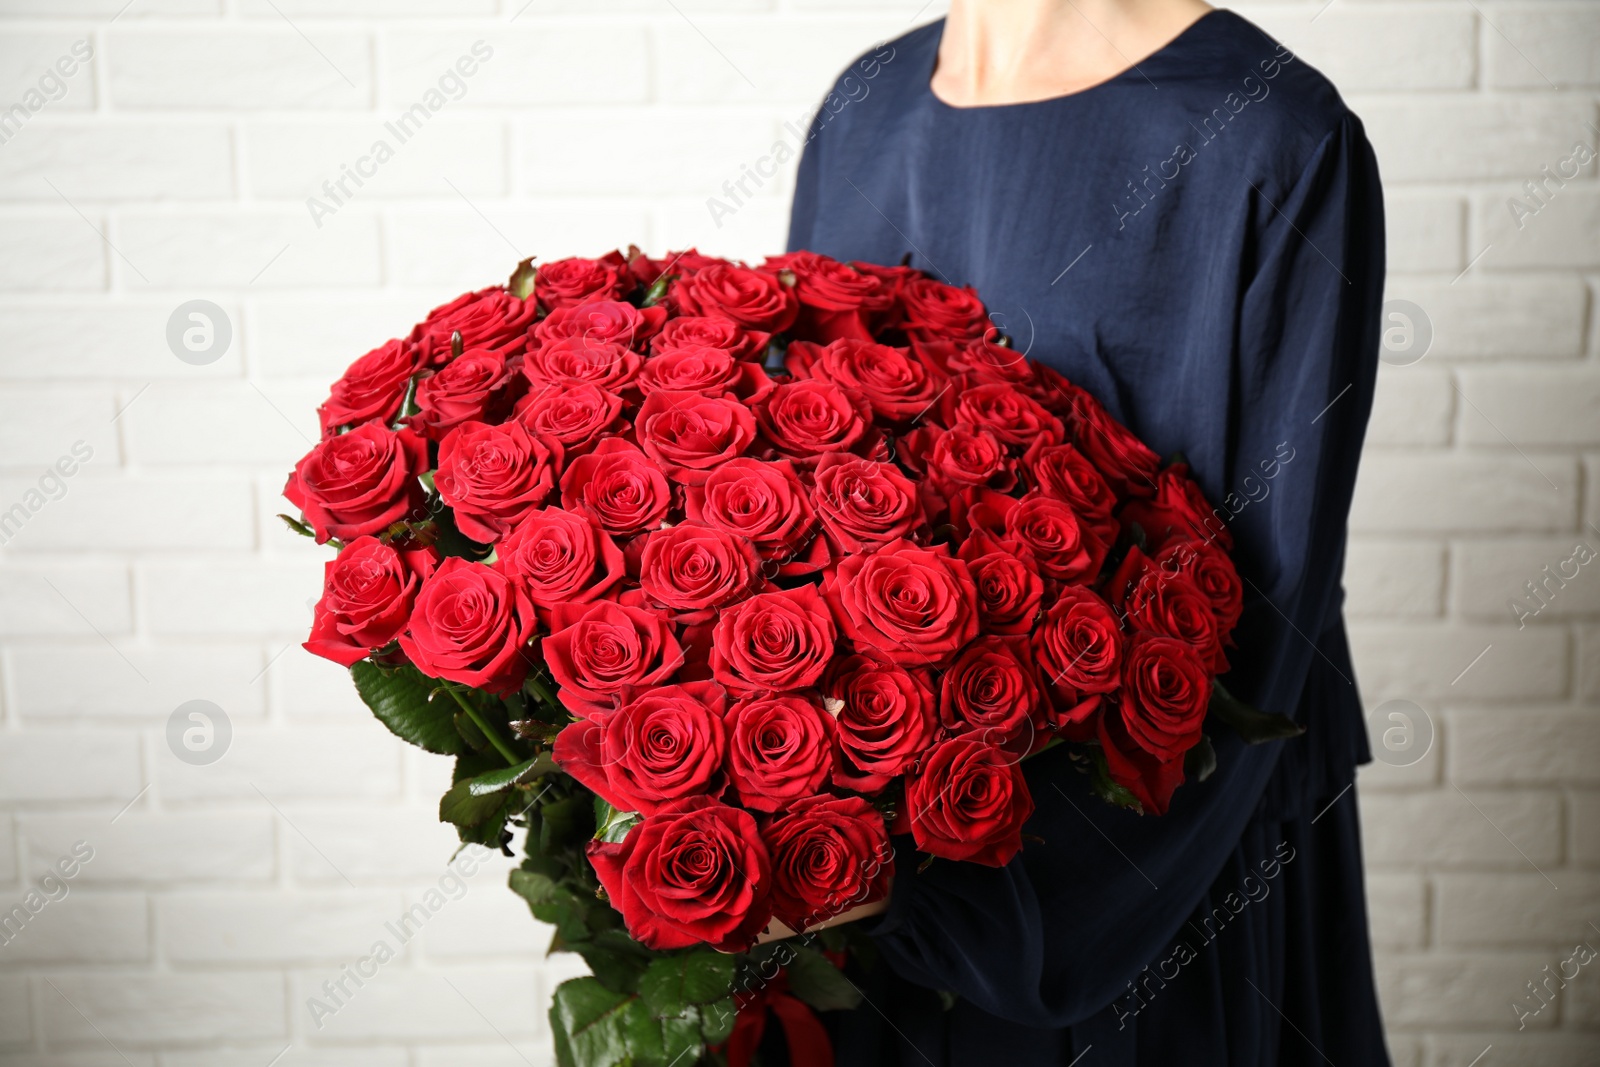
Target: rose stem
543,692
494,738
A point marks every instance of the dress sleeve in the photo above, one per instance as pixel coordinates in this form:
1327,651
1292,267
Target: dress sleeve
1055,936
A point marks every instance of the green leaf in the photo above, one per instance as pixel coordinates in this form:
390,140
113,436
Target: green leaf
716,1020
657,290
672,985
598,1027
297,526
815,980
464,808
553,903
612,824
1201,760
565,823
1102,785
615,958
498,781
399,697
520,284
1252,724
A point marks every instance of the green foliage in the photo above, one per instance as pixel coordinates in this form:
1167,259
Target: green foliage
672,985
401,699
1252,724
814,979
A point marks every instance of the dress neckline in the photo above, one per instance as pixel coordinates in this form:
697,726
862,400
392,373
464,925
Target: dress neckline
1133,69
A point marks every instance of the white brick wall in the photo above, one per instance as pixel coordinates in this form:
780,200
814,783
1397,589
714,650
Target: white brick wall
176,166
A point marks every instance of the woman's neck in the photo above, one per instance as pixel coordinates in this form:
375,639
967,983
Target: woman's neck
1013,51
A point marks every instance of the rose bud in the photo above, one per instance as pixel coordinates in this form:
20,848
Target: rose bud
1157,718
460,391
361,482
695,872
608,364
696,331
752,299
1213,572
597,651
1008,583
691,435
1062,472
367,593
1177,511
600,322
492,476
885,718
829,854
566,282
1064,548
1171,605
895,383
780,749
621,486
1002,409
372,389
908,605
773,642
805,419
560,557
704,370
936,311
691,568
989,693
576,414
968,801
1125,462
1078,646
864,505
763,503
489,318
836,300
471,624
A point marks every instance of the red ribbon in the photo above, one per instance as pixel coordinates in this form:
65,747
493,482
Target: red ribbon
808,1039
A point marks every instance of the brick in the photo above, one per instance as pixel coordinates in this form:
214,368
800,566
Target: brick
300,1056
1465,137
51,252
690,151
163,1008
1531,47
234,928
1425,232
499,1054
109,513
126,341
29,61
54,766
8,850
46,601
83,927
261,598
1406,491
1456,990
143,847
262,250
1527,746
1405,1050
408,1005
292,160
309,687
1527,581
1394,579
16,1019
554,64
1397,910
223,423
44,421
1405,829
318,339
1412,406
1362,50
290,765
369,846
1589,662
1421,662
723,61
1499,318
495,923
81,1058
751,233
452,249
1527,1049
1424,772
51,681
105,9
259,68
380,9
1515,910
1531,406
1564,232
151,161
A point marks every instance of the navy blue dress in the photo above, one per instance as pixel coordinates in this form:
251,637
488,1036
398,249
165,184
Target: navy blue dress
1199,243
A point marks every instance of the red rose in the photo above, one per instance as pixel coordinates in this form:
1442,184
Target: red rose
1170,604
372,389
489,318
1009,586
829,854
935,311
361,482
895,383
780,750
620,486
968,801
491,476
912,606
1126,463
1165,693
460,391
649,271
600,322
1064,548
609,365
691,567
1150,779
1062,472
1004,410
836,300
1177,511
1213,573
471,624
961,457
694,872
989,693
711,371
808,418
773,641
574,413
749,298
705,331
596,651
763,503
989,361
1079,648
664,744
885,718
690,435
367,592
863,504
577,281
560,557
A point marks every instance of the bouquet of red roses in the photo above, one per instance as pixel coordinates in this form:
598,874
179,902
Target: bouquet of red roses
713,576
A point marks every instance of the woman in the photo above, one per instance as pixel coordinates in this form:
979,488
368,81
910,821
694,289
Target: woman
1180,215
